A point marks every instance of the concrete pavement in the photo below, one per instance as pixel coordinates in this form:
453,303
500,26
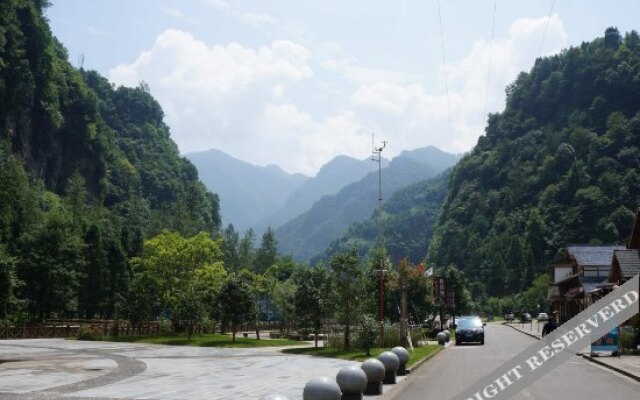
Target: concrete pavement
626,365
460,366
56,368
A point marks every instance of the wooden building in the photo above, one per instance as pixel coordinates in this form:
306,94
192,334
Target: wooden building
578,281
625,265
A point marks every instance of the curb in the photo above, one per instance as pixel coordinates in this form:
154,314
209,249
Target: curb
611,367
424,360
526,333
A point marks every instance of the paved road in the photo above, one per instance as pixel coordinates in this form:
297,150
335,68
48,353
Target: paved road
48,369
458,367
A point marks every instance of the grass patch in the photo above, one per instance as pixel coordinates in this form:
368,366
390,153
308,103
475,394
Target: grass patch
203,340
358,355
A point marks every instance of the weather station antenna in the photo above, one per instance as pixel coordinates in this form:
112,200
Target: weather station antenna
376,156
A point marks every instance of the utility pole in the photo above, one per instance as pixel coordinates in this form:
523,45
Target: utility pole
380,272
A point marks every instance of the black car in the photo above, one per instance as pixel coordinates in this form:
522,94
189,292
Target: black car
470,330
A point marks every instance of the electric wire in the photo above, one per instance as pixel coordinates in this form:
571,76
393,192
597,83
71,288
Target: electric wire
493,27
546,26
444,66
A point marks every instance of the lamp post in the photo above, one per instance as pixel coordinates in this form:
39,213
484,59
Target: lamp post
380,272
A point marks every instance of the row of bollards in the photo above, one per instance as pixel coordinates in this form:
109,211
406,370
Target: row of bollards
352,383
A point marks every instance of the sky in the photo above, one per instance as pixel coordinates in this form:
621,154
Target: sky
295,83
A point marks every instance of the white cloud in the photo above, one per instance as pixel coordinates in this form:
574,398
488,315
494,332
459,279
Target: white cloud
263,104
359,74
177,14
258,20
412,115
214,96
217,4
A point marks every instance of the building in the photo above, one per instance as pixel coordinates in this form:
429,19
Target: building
624,266
590,272
578,281
626,263
633,242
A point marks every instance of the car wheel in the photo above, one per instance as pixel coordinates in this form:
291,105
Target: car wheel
482,341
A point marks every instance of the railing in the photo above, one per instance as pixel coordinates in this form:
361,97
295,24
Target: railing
59,328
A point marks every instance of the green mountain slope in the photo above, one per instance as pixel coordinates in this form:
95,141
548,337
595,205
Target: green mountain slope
87,172
310,233
248,193
408,220
560,165
333,176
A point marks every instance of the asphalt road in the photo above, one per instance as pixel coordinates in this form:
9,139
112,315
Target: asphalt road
457,367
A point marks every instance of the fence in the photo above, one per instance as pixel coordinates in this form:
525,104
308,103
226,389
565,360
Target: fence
58,328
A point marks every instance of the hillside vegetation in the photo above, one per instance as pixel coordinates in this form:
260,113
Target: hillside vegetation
309,234
408,220
87,172
561,164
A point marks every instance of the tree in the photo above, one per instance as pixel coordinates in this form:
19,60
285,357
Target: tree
267,254
347,282
368,333
230,247
93,290
235,303
310,298
457,283
51,266
258,288
185,273
246,250
282,293
8,285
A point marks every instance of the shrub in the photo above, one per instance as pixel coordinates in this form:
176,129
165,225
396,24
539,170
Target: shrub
86,333
368,333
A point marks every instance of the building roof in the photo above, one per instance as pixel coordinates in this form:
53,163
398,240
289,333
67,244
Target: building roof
634,240
629,262
592,255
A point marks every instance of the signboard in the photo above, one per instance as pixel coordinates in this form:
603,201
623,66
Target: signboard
451,298
439,289
609,342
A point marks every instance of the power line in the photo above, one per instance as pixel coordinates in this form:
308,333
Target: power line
444,66
544,34
493,27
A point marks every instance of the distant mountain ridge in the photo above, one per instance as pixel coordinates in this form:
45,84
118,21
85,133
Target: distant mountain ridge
409,218
333,176
310,233
248,193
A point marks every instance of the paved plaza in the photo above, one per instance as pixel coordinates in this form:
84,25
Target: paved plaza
58,368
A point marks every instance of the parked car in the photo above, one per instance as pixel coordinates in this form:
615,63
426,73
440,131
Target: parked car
509,317
543,317
526,317
469,330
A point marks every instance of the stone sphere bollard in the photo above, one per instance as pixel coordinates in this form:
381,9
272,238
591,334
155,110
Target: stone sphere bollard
442,338
391,363
403,356
374,369
275,397
352,381
322,388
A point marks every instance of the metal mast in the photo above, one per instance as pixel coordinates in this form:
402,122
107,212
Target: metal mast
380,272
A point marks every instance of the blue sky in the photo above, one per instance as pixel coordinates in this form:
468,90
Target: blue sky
295,83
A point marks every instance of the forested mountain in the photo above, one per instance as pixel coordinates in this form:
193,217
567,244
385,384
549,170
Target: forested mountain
333,176
310,233
408,220
87,172
248,193
561,164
